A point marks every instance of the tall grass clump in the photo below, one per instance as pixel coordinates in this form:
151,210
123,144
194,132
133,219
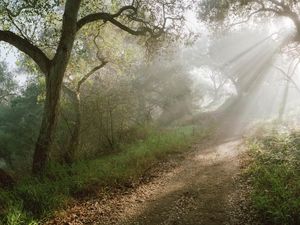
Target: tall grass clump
274,173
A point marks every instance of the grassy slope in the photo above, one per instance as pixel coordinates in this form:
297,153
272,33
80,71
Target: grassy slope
274,172
35,198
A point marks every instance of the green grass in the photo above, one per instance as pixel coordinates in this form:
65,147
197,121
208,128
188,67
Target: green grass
274,173
33,199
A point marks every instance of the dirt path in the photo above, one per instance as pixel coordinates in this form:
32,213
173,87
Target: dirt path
197,191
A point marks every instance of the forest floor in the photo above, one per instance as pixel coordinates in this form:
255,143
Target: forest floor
200,187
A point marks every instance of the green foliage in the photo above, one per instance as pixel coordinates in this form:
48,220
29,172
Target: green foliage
275,176
20,120
36,198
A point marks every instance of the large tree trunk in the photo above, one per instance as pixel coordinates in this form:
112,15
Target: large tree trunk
49,120
54,80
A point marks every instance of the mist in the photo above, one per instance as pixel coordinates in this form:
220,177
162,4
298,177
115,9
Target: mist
247,67
149,112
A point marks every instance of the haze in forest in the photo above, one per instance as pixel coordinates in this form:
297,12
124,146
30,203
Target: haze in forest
100,98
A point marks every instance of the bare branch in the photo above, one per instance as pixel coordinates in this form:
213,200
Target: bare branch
248,18
85,77
12,20
5,96
290,74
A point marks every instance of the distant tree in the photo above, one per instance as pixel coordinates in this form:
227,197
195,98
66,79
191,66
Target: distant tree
231,13
165,91
288,75
75,96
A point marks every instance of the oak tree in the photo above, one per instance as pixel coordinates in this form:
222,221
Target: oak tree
46,32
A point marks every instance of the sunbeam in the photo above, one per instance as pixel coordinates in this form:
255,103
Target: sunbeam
149,112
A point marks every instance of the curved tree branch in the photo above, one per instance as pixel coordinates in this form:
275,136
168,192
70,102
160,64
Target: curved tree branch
86,76
25,46
103,16
107,17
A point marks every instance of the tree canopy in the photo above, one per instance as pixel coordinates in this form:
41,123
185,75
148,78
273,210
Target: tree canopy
243,10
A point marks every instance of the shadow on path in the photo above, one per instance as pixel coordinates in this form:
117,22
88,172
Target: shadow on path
196,193
192,191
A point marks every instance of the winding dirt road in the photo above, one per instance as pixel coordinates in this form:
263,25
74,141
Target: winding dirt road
197,190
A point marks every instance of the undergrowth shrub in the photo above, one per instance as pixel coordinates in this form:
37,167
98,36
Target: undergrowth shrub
274,173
